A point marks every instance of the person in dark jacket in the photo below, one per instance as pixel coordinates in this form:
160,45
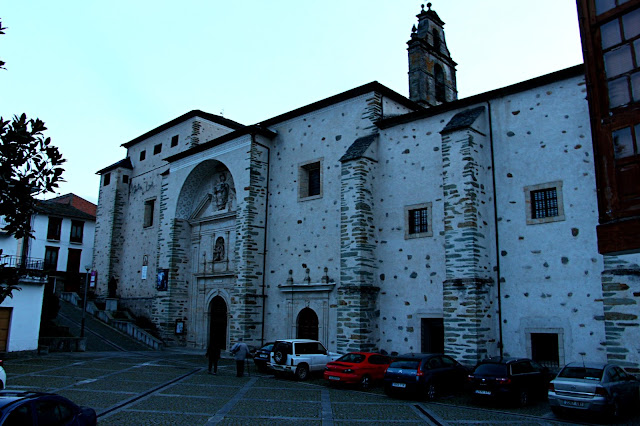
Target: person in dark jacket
213,353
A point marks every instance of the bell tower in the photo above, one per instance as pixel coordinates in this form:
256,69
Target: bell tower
432,72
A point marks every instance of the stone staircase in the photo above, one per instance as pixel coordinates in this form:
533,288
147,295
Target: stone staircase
120,320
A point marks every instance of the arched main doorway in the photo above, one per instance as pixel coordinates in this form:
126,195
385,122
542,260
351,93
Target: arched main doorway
218,322
307,324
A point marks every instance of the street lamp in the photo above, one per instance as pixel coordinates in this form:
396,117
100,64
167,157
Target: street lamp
84,301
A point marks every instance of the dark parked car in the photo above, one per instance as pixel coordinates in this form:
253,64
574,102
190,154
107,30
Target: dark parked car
36,408
361,368
516,379
593,388
424,375
261,357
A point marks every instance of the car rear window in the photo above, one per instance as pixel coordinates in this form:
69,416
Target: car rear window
581,373
492,370
282,346
406,363
353,358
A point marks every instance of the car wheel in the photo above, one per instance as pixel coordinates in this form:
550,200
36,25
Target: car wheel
523,398
432,391
365,382
302,372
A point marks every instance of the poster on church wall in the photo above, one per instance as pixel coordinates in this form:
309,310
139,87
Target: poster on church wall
163,279
93,279
145,263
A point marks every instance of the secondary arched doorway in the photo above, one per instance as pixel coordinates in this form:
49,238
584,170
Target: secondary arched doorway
307,324
218,322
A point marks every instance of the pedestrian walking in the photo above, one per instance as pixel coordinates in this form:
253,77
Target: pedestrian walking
213,353
240,352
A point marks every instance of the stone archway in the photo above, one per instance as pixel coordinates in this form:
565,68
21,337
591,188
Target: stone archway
218,322
307,324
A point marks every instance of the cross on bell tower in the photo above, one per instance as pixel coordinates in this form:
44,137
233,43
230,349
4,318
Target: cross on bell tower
432,72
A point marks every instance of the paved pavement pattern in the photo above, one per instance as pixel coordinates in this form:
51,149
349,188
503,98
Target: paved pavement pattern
172,387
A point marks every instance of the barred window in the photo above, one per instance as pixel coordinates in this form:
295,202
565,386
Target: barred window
544,203
418,221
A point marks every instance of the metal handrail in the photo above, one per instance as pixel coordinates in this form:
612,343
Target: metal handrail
12,261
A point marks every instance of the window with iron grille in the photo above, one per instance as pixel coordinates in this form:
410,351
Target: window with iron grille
544,203
53,230
417,221
77,228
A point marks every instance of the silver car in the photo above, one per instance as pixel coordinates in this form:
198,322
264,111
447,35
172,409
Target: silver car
594,388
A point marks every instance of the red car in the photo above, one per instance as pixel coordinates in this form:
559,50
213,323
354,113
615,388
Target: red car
361,368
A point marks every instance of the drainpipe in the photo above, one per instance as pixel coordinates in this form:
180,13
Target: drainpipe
264,254
495,219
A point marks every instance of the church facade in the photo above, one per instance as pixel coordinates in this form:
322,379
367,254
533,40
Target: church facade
372,221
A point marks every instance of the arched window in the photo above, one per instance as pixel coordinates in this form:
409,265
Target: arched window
307,324
436,40
439,76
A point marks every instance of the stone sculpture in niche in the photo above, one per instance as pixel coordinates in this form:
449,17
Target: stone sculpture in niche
221,192
218,250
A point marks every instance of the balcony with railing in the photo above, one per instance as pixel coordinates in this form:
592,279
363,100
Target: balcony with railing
19,262
28,269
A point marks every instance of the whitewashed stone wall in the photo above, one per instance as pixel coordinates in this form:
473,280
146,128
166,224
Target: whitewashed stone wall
550,272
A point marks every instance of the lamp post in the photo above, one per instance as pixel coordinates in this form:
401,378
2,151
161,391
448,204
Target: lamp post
84,301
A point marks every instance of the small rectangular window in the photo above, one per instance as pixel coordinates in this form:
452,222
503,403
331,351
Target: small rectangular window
544,203
148,213
106,179
157,149
174,141
53,230
310,180
77,229
417,221
544,349
125,178
143,155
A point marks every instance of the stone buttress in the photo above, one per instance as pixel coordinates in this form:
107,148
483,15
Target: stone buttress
468,290
621,303
247,302
357,293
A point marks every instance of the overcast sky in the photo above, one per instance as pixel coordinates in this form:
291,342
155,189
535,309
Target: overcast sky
101,73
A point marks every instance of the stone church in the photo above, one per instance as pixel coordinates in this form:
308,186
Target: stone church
372,221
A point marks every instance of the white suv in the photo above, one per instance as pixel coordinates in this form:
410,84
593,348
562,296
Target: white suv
299,357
